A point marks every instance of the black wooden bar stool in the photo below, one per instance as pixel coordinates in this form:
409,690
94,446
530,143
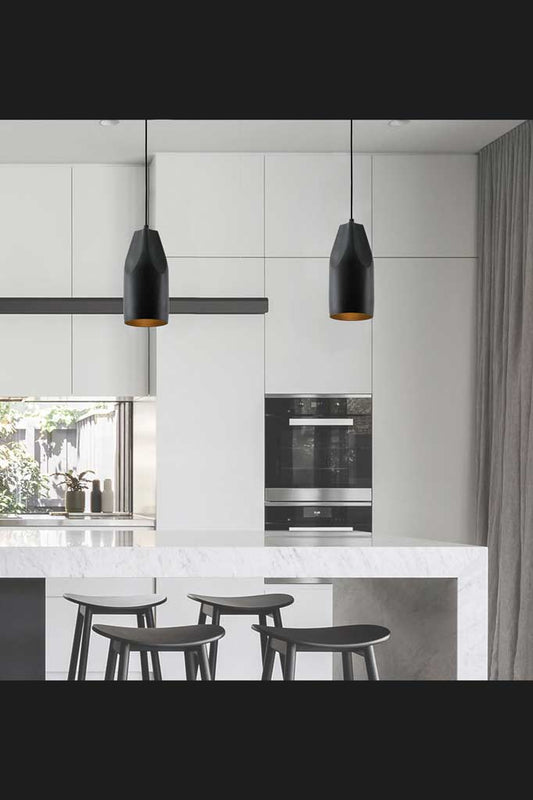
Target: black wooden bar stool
345,639
262,605
88,606
192,640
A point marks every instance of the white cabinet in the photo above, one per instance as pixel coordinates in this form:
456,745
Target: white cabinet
35,231
307,197
108,357
424,205
306,351
61,620
210,422
239,652
216,277
35,355
424,369
107,207
312,608
209,204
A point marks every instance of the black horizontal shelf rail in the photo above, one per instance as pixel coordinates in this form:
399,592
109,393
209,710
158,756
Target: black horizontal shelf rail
113,305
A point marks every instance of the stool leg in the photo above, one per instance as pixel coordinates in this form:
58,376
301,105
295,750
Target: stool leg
156,664
111,662
290,663
214,647
268,663
347,667
75,646
143,654
88,619
202,617
205,672
124,662
264,639
276,615
371,666
190,665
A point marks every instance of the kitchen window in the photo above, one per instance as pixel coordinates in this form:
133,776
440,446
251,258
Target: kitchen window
38,439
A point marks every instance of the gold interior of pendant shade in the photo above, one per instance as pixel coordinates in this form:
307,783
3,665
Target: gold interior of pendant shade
351,315
145,323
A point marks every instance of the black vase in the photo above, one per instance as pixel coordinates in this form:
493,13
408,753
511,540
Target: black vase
96,498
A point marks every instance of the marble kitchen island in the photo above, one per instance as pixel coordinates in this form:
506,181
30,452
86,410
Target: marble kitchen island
355,565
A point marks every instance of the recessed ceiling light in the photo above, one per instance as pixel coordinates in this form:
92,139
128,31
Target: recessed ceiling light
108,122
397,123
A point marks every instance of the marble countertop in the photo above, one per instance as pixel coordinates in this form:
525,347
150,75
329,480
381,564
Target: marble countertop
120,552
38,521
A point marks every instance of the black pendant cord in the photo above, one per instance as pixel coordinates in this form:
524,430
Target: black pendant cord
351,170
146,173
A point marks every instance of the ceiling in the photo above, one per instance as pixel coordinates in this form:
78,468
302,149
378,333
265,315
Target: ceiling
53,141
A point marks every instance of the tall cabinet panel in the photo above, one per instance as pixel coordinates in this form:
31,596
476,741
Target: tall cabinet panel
210,406
424,368
107,206
425,205
424,213
306,351
35,231
209,204
307,197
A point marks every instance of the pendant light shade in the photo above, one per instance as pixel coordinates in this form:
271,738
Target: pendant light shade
351,274
351,267
146,271
146,281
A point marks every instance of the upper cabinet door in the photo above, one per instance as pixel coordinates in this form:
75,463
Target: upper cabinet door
425,205
209,204
109,358
35,231
216,277
306,351
307,197
107,207
35,355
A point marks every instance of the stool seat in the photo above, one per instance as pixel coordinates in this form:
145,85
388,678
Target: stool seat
114,603
183,637
253,604
334,639
345,639
141,606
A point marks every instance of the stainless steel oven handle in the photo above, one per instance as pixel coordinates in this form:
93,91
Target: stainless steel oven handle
315,421
332,528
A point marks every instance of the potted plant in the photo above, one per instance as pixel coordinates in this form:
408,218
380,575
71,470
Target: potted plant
76,485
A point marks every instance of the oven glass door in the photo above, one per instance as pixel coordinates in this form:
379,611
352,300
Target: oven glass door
318,442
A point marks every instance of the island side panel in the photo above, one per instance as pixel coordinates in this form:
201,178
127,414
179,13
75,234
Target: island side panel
421,614
22,629
472,619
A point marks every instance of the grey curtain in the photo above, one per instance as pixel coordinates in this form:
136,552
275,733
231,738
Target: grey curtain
505,396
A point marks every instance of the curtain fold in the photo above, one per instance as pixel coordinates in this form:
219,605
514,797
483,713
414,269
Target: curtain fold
504,401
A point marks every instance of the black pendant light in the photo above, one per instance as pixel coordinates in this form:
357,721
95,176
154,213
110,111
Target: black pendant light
351,267
146,270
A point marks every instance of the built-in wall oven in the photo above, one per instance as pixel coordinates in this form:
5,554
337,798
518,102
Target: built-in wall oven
318,463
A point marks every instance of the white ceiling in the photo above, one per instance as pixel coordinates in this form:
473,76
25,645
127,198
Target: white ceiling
69,141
